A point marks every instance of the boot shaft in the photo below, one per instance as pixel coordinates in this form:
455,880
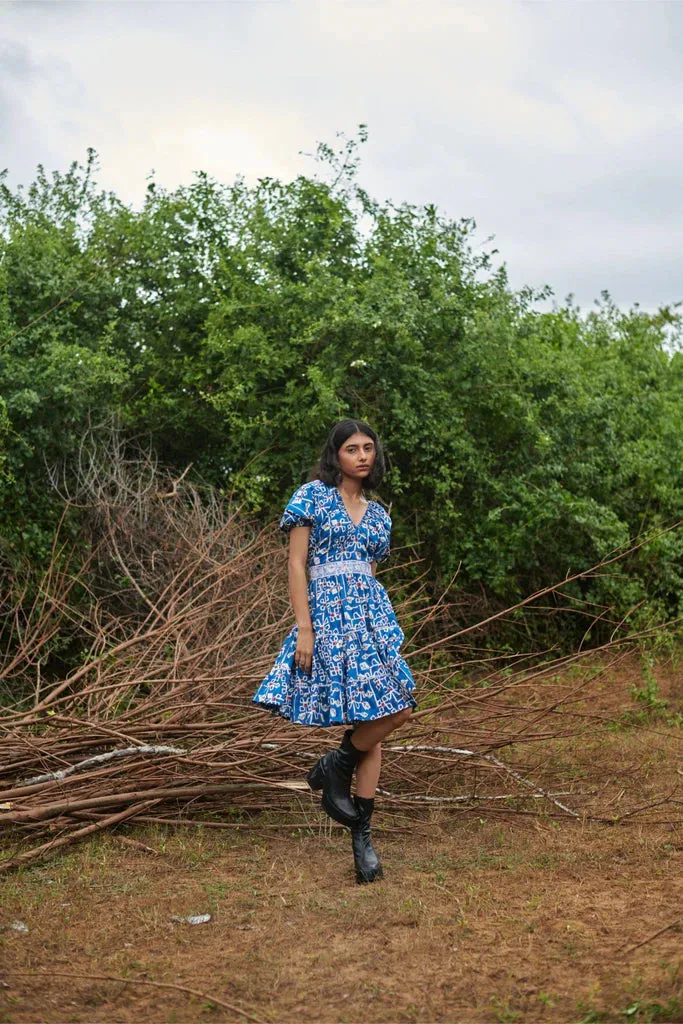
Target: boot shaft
367,863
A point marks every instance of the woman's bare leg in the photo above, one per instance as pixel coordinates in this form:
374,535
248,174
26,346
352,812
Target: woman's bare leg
368,736
367,772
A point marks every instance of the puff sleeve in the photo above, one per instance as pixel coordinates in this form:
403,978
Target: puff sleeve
300,509
383,539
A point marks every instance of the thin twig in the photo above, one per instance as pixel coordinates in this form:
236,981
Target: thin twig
666,928
139,981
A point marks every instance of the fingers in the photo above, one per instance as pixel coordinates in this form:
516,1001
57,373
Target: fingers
303,659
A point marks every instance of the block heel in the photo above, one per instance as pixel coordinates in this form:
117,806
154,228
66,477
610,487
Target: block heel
315,777
332,774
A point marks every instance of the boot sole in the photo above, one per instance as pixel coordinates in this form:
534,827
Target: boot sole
331,812
366,879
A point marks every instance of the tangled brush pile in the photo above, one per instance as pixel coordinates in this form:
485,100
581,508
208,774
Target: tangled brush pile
171,605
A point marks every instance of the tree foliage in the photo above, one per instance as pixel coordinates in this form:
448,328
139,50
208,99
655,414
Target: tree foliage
234,324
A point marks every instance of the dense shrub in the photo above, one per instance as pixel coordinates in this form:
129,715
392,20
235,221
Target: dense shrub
234,324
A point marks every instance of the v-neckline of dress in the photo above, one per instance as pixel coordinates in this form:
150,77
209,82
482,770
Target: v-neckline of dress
348,514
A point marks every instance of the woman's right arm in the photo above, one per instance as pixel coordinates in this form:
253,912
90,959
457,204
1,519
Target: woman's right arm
298,592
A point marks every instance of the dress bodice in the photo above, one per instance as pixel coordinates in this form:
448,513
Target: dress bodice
334,536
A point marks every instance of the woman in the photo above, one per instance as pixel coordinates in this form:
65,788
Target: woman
340,664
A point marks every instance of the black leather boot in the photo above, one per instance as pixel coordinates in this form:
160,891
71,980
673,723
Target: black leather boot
367,863
333,774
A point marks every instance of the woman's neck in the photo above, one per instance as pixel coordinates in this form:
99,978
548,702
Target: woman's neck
350,489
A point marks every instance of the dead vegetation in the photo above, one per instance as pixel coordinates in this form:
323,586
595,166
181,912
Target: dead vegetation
509,892
186,605
481,917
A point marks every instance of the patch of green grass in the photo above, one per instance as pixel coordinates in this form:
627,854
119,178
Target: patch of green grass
653,1011
648,694
645,1012
411,905
511,859
548,860
216,891
504,1012
651,705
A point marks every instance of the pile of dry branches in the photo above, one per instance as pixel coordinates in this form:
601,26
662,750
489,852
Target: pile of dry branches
173,605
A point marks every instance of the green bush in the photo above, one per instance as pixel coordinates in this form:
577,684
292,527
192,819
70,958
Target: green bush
234,324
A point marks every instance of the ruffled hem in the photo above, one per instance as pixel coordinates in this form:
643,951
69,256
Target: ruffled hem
355,678
282,711
358,674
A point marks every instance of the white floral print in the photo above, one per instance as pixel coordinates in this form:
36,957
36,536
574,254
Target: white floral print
357,673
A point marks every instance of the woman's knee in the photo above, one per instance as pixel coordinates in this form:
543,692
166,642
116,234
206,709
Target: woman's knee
402,716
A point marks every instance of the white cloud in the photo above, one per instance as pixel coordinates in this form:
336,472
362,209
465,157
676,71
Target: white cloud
558,126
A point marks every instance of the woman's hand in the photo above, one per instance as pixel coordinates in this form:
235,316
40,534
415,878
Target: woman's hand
303,656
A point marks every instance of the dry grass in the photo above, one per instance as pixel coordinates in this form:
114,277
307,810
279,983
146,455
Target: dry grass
484,915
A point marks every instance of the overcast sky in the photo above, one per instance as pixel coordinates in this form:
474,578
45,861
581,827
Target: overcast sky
557,125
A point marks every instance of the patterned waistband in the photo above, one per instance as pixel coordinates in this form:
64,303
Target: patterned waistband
339,568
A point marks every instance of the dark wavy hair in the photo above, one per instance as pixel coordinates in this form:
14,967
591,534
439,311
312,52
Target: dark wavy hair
328,469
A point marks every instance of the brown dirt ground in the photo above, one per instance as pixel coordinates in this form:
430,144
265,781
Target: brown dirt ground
483,915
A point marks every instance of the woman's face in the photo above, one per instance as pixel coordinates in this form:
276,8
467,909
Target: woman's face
357,456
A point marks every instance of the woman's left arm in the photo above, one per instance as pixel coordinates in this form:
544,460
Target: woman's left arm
373,567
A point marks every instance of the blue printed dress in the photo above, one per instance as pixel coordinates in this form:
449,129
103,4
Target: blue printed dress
357,673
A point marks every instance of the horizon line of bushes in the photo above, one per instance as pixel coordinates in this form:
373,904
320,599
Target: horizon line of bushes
234,324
